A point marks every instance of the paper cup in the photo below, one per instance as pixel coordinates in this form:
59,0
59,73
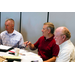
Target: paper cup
17,51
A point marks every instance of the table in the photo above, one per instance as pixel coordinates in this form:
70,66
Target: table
25,57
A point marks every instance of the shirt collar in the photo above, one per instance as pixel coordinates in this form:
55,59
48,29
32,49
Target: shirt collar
11,33
49,38
64,43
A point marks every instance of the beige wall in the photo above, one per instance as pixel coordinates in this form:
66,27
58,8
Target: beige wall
13,15
66,19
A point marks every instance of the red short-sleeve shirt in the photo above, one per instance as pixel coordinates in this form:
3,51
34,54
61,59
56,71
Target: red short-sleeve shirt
47,48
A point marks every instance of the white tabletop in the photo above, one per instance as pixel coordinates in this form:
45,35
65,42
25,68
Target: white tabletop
25,56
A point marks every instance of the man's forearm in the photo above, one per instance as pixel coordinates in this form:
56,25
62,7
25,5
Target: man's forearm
32,47
51,59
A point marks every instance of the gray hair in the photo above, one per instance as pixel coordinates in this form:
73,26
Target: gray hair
50,26
10,19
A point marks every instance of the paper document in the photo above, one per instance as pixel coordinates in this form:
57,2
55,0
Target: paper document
12,57
4,47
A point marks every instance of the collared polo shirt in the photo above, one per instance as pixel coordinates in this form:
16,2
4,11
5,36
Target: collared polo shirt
14,39
47,48
66,53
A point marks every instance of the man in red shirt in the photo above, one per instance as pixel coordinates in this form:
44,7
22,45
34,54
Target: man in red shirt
47,48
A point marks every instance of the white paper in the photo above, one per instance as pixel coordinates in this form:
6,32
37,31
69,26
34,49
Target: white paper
4,47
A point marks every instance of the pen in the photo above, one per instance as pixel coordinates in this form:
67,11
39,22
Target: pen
26,44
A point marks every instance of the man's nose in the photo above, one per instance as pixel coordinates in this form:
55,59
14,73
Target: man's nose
42,30
54,37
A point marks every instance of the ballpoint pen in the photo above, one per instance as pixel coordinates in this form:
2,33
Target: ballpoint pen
26,44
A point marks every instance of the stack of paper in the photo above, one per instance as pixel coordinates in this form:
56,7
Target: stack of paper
12,57
4,48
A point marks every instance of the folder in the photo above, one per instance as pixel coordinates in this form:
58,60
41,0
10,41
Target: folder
13,58
5,48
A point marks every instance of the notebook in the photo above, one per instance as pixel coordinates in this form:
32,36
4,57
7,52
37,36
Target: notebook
12,58
5,48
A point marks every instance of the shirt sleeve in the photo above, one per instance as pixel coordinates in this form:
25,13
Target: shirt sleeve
37,43
21,42
64,56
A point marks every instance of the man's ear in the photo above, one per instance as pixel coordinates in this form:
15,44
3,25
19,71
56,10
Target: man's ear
64,37
12,26
49,30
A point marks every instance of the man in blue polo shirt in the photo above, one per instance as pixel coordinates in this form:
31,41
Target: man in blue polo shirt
11,37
